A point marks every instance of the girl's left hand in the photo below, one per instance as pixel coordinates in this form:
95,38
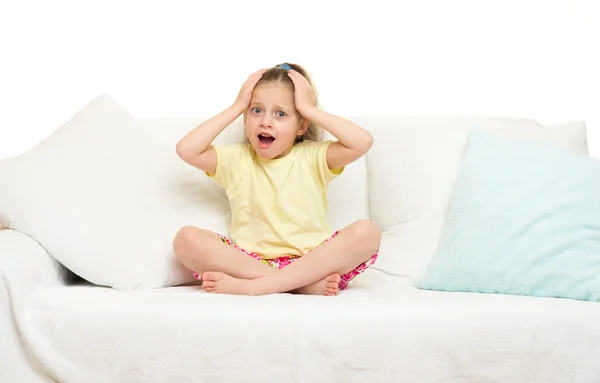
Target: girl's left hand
304,94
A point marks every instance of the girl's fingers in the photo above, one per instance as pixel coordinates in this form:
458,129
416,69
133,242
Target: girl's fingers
256,74
250,77
297,78
293,77
253,79
260,71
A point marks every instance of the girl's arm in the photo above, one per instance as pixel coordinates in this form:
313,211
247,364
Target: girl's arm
195,147
353,141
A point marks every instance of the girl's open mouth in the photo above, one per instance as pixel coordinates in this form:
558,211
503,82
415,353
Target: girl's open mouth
265,140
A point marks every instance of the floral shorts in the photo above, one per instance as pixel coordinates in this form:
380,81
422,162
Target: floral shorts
281,262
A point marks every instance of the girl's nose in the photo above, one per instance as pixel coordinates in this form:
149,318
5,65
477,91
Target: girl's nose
266,120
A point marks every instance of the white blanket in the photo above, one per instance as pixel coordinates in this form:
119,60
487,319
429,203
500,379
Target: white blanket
376,331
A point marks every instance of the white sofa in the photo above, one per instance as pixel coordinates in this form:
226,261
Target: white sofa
54,327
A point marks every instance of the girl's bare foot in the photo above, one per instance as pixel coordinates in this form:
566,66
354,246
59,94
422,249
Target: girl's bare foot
221,283
326,286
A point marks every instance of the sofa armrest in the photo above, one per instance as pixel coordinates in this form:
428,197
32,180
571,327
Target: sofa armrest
25,263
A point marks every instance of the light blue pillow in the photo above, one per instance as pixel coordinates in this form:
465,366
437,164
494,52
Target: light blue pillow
524,219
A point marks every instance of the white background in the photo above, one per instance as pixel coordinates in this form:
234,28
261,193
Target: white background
512,58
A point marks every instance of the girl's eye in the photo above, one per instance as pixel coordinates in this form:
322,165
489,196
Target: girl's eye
280,114
256,110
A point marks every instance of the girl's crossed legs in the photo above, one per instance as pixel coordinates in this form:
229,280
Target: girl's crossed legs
226,269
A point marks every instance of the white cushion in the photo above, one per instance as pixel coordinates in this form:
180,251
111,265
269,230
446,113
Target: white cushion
106,198
413,165
348,194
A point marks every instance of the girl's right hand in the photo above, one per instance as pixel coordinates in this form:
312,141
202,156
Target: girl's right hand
243,99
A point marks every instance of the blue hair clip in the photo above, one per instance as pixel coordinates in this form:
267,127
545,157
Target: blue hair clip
285,66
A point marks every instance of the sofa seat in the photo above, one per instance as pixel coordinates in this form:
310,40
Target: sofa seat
377,330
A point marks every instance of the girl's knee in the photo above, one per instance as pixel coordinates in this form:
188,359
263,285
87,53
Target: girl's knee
190,241
365,233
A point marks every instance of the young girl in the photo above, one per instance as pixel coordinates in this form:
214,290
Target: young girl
277,183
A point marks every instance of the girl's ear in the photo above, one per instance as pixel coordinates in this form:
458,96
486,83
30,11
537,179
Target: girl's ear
303,127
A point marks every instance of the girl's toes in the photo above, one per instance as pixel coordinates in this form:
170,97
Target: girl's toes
209,276
208,285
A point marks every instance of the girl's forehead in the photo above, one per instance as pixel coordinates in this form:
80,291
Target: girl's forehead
272,92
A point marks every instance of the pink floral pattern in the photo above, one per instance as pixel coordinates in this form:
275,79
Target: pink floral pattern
281,262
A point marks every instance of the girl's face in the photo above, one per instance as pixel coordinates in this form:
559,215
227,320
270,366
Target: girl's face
272,121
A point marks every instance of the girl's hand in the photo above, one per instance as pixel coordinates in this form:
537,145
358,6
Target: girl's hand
243,99
304,94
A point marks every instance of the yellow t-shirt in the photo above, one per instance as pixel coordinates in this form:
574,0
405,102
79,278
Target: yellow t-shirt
278,206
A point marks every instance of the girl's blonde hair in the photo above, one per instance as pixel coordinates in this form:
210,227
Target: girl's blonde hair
279,74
